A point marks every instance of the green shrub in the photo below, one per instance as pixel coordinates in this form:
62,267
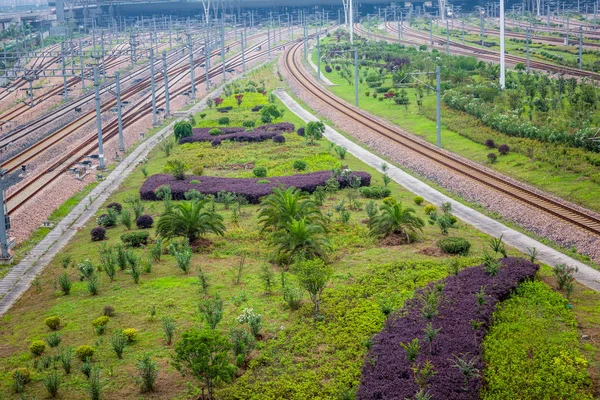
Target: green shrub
52,322
53,339
223,121
263,182
375,192
260,172
419,200
429,209
118,342
37,347
249,124
131,334
300,165
198,171
532,349
21,377
84,352
135,239
65,283
455,245
182,129
389,201
215,132
100,321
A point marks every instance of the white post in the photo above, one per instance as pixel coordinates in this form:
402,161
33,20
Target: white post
502,62
351,22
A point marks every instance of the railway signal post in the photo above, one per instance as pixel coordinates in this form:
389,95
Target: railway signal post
64,71
318,57
581,47
192,79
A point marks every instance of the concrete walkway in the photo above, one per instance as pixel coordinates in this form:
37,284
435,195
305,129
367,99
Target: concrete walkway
547,255
20,277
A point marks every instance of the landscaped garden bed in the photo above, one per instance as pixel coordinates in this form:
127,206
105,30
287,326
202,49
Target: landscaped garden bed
250,188
452,315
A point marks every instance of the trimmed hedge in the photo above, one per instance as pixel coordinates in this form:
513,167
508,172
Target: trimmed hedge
375,192
247,187
387,372
144,221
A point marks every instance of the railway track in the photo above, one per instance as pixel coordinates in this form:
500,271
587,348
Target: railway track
483,54
436,156
112,61
23,131
88,146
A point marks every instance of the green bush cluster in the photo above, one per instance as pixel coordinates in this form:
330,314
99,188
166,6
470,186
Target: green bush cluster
135,239
52,322
375,192
532,349
84,352
455,245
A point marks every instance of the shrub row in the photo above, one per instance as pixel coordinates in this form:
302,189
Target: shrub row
387,372
512,125
250,188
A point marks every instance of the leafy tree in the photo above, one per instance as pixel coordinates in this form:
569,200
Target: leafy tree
313,276
314,131
281,207
182,129
300,240
269,113
395,219
189,219
204,354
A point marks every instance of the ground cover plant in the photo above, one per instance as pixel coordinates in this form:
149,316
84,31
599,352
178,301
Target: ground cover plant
289,333
451,316
551,147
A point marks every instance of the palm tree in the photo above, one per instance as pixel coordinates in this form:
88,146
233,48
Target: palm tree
284,206
190,220
394,219
301,239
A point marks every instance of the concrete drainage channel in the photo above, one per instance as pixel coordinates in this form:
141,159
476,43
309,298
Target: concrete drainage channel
585,275
20,277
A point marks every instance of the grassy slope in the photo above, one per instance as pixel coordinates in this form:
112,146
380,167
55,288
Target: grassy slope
571,186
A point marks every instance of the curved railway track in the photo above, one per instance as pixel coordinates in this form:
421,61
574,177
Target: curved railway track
483,54
89,145
367,122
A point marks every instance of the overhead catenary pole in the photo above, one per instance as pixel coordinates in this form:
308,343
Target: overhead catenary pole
502,48
351,21
447,38
64,72
438,119
153,86
356,76
318,57
580,47
98,118
119,111
243,54
4,224
166,76
223,48
527,31
192,79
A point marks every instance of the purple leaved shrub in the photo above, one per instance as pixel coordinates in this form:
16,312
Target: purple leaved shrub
98,234
144,221
462,320
239,134
247,187
278,139
116,206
